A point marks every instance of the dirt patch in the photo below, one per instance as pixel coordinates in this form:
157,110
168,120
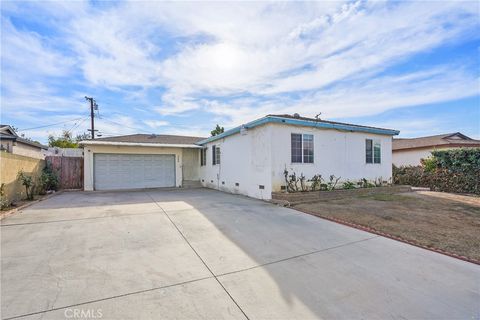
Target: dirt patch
444,221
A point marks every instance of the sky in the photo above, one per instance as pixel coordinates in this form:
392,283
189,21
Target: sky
183,67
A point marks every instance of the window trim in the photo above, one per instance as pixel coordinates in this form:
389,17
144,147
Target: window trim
302,148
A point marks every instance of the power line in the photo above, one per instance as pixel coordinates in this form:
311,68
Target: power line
50,125
123,125
76,125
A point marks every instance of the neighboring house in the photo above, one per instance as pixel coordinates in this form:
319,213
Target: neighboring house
249,159
409,152
65,152
10,142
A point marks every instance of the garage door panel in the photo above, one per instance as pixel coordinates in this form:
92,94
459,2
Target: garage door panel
129,171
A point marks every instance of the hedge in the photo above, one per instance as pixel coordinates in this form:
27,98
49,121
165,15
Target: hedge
455,170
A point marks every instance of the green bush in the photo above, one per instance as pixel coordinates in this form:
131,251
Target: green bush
348,185
48,180
4,203
456,170
27,181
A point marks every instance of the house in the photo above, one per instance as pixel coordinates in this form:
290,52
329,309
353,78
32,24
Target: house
10,142
409,152
249,159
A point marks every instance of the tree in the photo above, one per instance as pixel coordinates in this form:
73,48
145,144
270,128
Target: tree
217,130
65,140
83,136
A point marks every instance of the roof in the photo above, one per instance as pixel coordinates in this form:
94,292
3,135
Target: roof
303,121
157,140
455,139
7,133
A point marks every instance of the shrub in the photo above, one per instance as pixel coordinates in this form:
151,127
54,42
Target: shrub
429,164
456,170
316,181
348,185
27,181
4,203
48,180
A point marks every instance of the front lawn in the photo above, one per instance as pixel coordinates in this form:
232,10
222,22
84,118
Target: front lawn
440,220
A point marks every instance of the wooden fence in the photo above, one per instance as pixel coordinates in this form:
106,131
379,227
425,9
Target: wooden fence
69,171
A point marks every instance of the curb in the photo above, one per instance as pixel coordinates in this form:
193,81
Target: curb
8,213
387,235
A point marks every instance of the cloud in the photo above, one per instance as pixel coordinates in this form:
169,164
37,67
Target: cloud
156,123
234,61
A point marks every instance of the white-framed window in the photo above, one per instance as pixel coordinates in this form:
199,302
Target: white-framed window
302,148
373,151
215,155
203,157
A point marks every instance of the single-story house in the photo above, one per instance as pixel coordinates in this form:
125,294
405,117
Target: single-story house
10,142
409,152
249,159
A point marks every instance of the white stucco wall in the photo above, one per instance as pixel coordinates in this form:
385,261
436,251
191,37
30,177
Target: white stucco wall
410,157
245,159
335,152
90,150
260,157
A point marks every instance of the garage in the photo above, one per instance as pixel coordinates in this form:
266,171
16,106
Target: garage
133,171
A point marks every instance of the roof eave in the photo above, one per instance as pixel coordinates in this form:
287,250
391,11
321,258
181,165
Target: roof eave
137,144
298,122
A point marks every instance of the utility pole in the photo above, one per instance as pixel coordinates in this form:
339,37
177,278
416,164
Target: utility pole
93,106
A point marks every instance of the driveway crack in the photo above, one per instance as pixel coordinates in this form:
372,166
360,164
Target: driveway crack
198,255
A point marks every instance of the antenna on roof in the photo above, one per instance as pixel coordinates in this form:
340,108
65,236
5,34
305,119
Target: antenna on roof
318,116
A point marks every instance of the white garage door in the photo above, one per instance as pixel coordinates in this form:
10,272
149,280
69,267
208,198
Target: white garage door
133,171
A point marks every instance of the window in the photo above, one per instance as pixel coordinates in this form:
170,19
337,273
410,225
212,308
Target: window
376,152
373,151
302,148
203,157
296,148
308,148
215,155
369,151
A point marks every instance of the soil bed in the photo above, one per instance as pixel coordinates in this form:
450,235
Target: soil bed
444,221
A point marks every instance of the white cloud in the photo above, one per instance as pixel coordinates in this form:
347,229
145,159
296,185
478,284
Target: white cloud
156,123
240,60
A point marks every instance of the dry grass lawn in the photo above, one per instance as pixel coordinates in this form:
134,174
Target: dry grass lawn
444,221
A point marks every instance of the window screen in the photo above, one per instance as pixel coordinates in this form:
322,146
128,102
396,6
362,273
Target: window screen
217,155
214,149
308,148
203,157
377,151
296,148
369,151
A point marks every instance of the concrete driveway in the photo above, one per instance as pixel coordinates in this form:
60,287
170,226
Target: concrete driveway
190,254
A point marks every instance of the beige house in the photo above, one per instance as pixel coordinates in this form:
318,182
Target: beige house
141,161
409,152
10,142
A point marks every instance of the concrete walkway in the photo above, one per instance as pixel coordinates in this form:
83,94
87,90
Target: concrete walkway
191,254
